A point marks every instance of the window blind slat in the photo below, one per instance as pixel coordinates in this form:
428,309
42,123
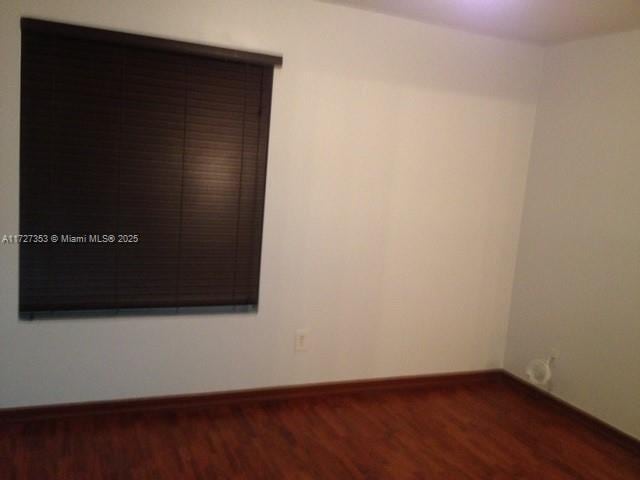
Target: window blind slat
119,139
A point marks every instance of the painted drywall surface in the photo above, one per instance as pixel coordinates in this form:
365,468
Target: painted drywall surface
396,178
577,284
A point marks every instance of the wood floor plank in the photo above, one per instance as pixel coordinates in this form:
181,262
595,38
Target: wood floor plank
480,431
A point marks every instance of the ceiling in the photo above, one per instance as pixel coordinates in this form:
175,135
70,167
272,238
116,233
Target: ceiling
539,21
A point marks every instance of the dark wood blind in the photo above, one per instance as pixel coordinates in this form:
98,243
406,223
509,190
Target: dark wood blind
122,139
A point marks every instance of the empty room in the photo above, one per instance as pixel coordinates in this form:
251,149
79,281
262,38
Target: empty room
320,239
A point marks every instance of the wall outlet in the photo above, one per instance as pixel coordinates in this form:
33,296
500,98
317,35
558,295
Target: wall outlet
302,335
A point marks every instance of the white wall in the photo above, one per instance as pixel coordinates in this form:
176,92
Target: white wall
396,179
577,285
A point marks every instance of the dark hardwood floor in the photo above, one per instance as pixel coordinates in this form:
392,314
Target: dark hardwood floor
488,430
